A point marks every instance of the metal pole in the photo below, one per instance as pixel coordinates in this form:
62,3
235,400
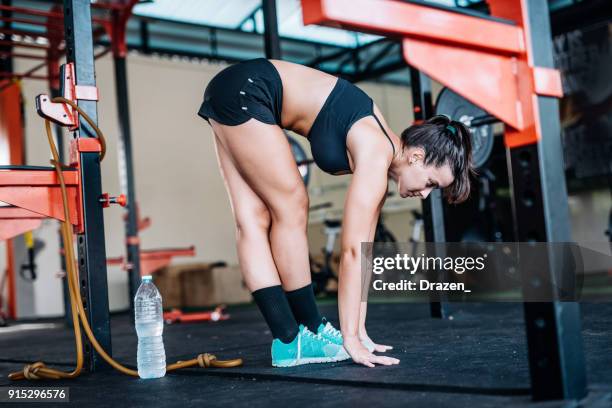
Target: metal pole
540,204
144,36
91,245
6,63
65,291
433,211
126,173
271,37
55,35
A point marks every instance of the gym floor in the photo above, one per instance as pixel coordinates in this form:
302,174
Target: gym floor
476,359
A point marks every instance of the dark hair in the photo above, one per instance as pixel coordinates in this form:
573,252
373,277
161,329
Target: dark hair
445,141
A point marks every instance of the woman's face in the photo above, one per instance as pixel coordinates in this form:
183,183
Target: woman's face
417,179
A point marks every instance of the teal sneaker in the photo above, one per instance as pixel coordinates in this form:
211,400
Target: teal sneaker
329,332
326,330
306,348
335,336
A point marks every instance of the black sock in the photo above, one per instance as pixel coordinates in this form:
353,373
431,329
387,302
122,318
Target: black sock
304,307
276,311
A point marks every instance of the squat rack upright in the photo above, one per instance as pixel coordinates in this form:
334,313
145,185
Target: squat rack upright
513,46
75,20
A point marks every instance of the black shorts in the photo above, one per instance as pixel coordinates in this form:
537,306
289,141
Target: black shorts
253,89
249,89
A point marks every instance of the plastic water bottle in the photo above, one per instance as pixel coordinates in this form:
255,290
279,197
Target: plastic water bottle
149,327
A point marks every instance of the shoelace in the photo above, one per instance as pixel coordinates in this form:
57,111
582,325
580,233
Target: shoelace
316,336
332,330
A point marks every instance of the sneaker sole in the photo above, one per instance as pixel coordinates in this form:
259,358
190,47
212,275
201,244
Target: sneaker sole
302,361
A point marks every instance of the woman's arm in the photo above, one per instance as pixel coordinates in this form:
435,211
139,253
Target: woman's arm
363,334
368,187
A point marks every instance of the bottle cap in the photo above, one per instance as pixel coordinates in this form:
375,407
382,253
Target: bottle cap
147,277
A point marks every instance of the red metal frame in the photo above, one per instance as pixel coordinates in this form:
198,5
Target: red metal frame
63,114
15,220
485,61
176,316
11,136
12,228
153,260
117,26
22,20
113,23
11,125
38,191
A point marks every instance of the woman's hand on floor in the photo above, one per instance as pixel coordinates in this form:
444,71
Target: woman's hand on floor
371,346
361,355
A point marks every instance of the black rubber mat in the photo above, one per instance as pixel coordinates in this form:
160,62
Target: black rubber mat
477,359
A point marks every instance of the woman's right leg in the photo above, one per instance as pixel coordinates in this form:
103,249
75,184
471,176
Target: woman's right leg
262,157
256,219
253,221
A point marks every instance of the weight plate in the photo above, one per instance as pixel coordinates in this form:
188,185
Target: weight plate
300,156
460,109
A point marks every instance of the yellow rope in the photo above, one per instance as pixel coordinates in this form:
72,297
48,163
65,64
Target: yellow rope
39,370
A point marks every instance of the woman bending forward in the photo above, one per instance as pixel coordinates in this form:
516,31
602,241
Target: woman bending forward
248,105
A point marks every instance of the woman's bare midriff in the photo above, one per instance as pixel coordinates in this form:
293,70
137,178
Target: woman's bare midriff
304,93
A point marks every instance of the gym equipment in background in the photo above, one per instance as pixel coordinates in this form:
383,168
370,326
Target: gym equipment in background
322,273
177,316
512,47
326,273
69,201
477,120
28,270
301,160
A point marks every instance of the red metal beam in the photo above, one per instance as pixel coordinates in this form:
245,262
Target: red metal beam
15,221
5,54
21,76
31,11
485,61
11,126
13,228
23,21
117,6
415,21
169,252
38,191
13,213
488,80
116,30
35,178
11,136
152,260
